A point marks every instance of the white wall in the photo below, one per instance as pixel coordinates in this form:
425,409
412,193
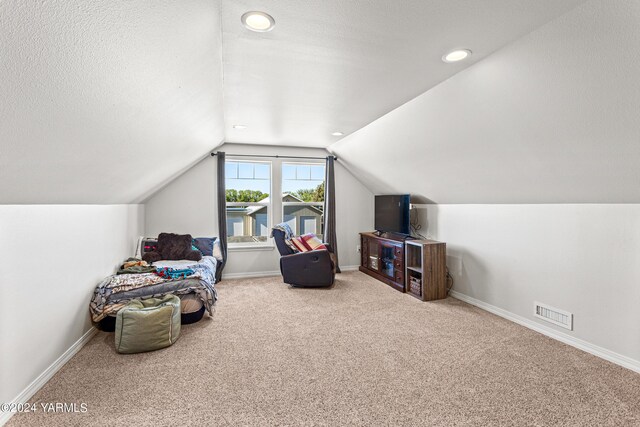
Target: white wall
582,258
51,258
187,205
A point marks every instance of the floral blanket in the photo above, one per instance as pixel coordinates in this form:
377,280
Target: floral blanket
115,291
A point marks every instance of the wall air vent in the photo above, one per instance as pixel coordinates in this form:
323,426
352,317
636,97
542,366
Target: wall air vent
553,315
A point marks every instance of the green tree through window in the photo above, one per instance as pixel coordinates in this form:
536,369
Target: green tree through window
245,196
309,194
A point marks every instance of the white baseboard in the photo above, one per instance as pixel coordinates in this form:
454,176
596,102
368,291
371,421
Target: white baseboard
254,274
42,379
601,352
250,274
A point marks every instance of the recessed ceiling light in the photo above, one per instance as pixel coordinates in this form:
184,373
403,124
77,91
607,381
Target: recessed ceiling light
337,134
456,55
239,127
258,21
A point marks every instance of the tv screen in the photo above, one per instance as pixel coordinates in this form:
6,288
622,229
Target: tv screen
392,213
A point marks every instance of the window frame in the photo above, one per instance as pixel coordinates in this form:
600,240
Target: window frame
310,204
268,243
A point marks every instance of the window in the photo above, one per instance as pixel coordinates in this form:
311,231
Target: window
248,185
308,224
303,197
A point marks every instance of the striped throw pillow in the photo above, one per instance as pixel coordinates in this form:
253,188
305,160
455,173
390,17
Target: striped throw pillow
313,242
308,242
299,244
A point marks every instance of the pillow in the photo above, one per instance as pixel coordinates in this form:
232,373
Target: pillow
313,242
299,244
175,247
204,245
308,242
217,250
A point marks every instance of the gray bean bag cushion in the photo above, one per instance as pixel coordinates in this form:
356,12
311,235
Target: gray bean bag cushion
149,324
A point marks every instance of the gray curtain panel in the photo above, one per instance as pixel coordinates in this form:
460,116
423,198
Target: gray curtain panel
222,212
330,209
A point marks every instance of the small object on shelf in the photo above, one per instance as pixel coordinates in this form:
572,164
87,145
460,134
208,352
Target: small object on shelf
415,286
388,267
373,262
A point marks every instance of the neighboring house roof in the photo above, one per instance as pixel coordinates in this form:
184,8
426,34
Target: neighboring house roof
286,197
253,209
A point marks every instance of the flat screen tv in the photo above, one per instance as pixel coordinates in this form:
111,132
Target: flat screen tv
392,214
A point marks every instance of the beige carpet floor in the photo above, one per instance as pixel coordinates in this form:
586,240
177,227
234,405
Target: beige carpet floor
359,353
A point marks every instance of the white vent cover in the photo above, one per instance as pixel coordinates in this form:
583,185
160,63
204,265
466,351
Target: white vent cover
553,315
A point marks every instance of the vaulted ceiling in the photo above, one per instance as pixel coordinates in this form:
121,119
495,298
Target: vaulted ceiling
103,102
337,65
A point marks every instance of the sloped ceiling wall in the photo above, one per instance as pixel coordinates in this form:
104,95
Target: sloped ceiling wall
101,102
337,65
551,118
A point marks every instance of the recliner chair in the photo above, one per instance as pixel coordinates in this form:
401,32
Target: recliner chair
313,269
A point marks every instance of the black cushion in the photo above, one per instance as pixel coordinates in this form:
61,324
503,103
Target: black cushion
187,318
108,324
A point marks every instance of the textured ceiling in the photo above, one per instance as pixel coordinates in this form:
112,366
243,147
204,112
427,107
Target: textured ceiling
103,101
551,118
338,65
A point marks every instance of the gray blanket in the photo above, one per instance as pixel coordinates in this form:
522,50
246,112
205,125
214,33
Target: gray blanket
115,291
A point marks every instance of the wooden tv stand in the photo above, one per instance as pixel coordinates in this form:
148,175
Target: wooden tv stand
417,267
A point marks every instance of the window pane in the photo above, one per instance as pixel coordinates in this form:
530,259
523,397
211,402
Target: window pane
250,183
304,219
245,170
231,170
247,224
303,182
317,172
288,171
303,172
243,186
262,171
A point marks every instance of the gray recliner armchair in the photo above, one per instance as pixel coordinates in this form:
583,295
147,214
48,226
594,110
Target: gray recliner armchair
313,269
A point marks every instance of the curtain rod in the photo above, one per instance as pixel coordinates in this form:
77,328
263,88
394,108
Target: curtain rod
274,157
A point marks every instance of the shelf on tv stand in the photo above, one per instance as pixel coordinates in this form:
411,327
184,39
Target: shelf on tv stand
382,255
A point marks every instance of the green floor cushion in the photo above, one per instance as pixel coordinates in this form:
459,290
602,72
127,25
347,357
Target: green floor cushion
149,324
